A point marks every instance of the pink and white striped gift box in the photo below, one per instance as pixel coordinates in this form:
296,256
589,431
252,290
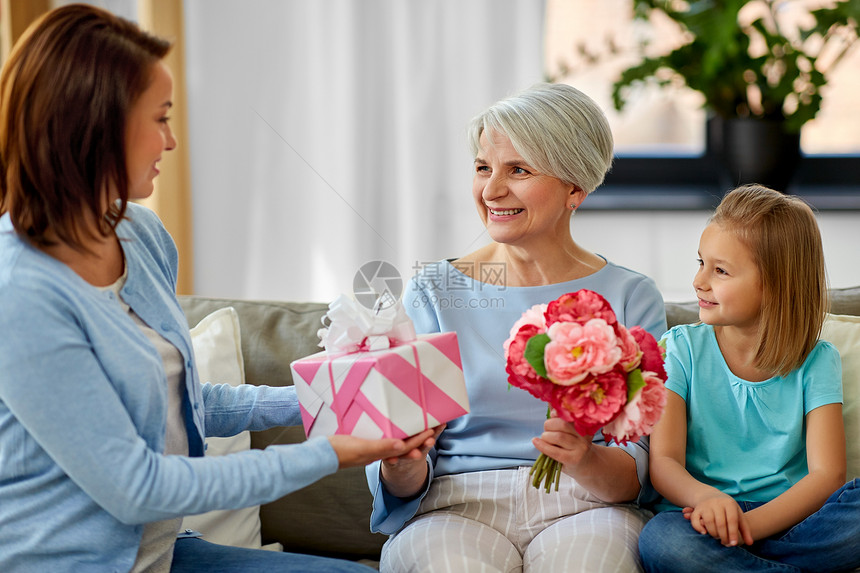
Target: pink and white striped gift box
394,393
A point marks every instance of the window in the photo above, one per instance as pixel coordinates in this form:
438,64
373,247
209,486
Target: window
662,161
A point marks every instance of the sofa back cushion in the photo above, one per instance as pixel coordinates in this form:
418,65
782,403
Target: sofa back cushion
217,349
844,332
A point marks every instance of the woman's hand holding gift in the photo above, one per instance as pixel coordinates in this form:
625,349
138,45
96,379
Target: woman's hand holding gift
352,451
405,475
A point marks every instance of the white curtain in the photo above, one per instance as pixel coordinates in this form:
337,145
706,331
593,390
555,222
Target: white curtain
325,134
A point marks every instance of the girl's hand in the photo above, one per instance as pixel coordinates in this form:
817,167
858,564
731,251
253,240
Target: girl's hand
721,518
561,442
352,451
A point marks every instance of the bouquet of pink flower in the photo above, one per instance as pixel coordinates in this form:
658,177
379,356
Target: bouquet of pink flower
592,371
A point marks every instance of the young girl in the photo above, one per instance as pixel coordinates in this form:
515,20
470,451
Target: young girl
751,447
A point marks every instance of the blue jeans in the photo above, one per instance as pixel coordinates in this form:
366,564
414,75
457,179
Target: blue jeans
193,555
824,541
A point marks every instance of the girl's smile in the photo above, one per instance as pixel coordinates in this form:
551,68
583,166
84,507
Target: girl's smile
728,283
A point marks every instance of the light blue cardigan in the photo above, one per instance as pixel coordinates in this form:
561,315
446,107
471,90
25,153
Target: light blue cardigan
83,400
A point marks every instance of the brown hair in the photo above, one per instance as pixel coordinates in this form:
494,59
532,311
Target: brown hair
782,233
65,94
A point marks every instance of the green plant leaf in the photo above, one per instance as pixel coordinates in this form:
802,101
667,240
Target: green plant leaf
635,382
716,60
534,353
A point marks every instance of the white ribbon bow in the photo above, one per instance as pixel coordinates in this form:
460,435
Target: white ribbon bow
351,327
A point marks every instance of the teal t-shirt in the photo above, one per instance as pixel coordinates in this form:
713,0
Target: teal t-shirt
747,439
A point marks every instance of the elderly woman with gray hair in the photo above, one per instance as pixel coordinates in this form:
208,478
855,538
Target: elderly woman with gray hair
470,505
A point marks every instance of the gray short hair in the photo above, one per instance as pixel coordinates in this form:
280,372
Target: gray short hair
556,128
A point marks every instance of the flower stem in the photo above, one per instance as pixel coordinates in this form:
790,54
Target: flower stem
547,471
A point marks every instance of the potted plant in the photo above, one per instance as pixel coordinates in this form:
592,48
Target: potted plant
761,79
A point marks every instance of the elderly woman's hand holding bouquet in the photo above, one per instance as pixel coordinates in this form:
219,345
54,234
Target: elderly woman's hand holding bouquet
592,371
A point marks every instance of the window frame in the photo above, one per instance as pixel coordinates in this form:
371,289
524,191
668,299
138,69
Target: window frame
684,183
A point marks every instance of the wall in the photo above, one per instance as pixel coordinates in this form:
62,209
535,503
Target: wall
326,134
663,244
317,146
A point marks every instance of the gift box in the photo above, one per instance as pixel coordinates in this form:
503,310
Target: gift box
357,388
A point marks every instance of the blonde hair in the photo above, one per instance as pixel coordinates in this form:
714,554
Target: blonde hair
556,128
782,233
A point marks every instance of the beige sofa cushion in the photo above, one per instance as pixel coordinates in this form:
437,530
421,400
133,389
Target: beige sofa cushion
217,349
844,332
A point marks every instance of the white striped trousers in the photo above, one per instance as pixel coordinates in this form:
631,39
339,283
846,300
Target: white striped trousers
496,521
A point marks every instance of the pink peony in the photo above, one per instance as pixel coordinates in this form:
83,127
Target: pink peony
534,316
586,365
592,403
652,354
639,415
631,354
520,372
580,306
579,350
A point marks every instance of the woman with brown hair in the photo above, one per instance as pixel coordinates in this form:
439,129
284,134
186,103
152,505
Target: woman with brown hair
102,413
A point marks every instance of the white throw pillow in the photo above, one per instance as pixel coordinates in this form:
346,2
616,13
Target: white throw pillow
843,332
217,348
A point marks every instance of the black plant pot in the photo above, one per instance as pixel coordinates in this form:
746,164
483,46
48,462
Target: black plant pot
754,151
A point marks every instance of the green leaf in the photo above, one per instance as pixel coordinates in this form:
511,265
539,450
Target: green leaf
534,353
716,59
635,382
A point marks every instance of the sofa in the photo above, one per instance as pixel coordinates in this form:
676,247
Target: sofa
331,516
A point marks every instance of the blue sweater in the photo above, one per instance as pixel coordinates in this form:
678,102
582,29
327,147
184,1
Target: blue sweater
83,399
497,432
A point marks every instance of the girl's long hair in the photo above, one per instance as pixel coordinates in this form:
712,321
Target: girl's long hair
782,233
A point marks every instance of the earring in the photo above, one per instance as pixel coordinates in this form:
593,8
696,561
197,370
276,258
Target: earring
573,206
